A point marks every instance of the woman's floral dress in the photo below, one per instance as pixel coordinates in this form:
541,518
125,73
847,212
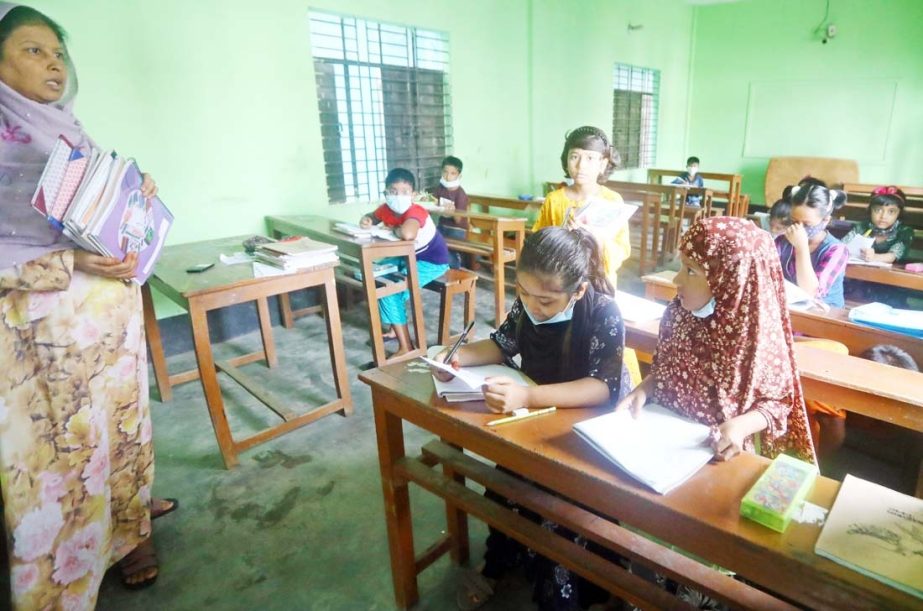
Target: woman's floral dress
76,459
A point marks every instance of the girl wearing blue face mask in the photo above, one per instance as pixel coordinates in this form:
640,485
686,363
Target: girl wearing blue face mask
568,330
811,257
409,221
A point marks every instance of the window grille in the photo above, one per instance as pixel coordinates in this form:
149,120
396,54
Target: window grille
635,101
383,98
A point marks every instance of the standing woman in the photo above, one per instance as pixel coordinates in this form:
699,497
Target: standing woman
76,458
724,354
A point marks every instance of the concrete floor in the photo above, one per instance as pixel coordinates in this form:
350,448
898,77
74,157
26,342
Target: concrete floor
299,524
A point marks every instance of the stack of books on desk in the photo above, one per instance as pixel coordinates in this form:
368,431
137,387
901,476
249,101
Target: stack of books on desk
94,198
293,254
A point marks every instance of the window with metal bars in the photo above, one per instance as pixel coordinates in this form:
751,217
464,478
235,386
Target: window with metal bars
383,98
635,100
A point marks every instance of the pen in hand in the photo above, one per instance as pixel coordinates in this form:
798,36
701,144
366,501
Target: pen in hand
458,343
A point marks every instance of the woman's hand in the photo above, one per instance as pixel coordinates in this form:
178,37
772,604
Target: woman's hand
797,236
365,222
728,439
445,376
867,254
148,186
106,267
504,394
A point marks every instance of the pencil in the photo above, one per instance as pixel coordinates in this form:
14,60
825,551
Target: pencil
537,412
868,232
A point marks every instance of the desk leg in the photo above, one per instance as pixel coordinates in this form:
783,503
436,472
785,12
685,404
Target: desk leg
390,435
335,341
371,296
155,345
416,302
269,344
285,309
457,520
209,377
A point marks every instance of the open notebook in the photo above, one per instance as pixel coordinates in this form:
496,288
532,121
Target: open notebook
466,385
855,247
638,309
659,449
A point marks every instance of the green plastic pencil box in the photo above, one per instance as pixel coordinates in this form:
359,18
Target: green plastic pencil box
779,492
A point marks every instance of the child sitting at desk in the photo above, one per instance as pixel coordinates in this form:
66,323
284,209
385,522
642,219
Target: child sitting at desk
780,217
588,159
691,178
892,238
450,194
811,257
724,353
410,222
569,332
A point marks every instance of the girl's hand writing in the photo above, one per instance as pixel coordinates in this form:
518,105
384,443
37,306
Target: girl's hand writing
148,186
505,394
867,254
797,236
106,267
365,222
444,375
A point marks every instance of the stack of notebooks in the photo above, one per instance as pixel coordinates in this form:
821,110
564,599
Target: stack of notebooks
94,197
883,316
297,253
379,268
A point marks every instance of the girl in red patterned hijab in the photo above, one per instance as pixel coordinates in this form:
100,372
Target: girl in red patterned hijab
724,354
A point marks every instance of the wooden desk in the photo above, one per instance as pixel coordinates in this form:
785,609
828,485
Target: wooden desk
486,202
894,276
833,325
366,252
489,235
701,516
222,286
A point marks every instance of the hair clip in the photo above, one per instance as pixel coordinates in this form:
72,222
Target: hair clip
890,190
795,190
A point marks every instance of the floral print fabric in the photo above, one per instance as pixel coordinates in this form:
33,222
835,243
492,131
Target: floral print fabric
739,358
76,459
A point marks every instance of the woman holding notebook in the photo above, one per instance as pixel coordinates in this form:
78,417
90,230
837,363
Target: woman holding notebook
76,458
724,355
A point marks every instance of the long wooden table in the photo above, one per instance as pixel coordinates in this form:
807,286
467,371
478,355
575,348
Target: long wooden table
833,325
366,251
497,237
894,276
226,285
570,484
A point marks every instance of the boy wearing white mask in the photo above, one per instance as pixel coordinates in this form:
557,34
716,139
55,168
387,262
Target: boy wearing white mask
451,195
409,221
691,178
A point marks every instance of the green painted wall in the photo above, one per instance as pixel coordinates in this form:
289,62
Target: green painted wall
764,85
574,48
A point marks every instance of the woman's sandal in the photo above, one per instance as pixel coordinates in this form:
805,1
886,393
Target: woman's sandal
171,506
138,561
474,591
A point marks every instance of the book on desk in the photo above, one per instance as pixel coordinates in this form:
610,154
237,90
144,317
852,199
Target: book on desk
94,198
659,448
296,253
468,381
878,532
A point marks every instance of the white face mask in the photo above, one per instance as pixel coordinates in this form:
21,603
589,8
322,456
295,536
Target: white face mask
692,171
450,184
706,310
564,315
398,203
569,181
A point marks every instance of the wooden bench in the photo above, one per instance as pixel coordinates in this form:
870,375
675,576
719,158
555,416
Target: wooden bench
736,205
453,282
